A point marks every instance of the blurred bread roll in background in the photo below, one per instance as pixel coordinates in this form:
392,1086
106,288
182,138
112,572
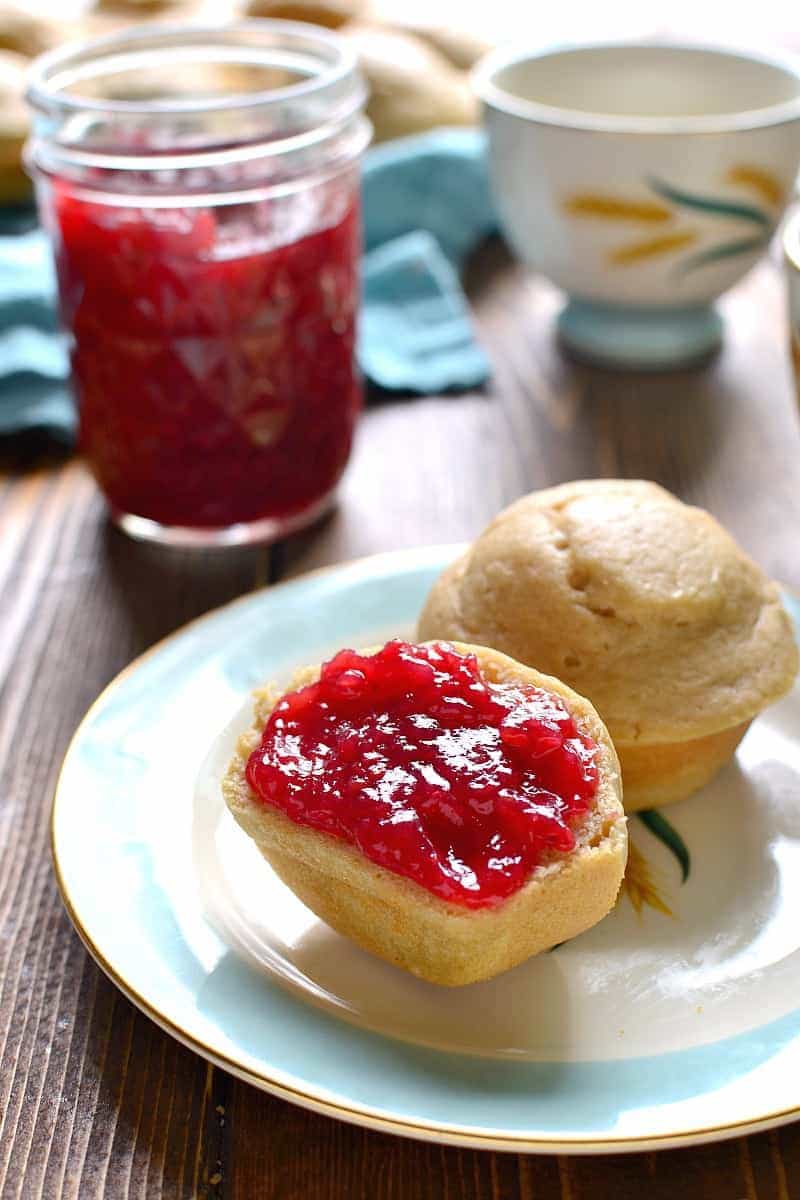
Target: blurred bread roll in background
417,75
27,34
461,49
412,86
14,183
144,8
331,14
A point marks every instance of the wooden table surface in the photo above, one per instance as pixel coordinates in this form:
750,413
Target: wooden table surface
94,1099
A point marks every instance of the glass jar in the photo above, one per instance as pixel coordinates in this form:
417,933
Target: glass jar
201,189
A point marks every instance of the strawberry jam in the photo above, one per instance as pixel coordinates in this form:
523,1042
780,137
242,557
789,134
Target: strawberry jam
462,785
213,350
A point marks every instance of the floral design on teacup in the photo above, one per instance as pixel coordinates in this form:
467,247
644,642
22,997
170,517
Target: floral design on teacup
669,205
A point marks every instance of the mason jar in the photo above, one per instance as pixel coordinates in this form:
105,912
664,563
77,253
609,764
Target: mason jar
201,189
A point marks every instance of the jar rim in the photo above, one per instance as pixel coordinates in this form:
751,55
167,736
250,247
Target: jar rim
46,94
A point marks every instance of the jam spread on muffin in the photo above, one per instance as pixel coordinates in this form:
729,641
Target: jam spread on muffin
462,785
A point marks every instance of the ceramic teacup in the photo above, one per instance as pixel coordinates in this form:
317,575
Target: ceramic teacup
642,179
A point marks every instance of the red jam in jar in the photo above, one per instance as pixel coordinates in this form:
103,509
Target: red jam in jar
212,352
462,785
201,187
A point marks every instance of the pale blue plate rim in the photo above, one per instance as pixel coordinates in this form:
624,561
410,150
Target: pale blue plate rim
436,1096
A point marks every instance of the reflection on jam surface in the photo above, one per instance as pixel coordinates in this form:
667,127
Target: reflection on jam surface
213,350
461,785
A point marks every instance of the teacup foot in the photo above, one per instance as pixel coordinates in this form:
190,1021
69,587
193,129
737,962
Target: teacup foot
640,338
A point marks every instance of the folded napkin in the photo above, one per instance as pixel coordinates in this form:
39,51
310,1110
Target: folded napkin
34,388
426,204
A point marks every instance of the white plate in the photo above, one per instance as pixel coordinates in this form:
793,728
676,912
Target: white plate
655,1028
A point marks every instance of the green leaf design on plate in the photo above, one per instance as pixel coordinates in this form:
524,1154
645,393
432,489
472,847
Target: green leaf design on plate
660,827
712,204
721,251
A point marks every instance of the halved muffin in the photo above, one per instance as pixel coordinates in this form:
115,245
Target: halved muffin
448,852
643,604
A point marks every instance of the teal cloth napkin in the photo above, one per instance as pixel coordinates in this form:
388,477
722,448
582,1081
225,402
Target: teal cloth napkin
34,387
426,205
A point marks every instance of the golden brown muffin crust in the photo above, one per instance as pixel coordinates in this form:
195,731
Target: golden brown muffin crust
645,604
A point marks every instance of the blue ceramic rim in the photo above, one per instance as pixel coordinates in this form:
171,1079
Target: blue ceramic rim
497,98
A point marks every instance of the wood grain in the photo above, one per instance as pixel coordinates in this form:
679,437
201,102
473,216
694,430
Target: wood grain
95,1100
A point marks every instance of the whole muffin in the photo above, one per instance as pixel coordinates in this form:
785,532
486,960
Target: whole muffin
641,603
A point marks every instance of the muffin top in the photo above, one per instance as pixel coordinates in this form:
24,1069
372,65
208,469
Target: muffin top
642,603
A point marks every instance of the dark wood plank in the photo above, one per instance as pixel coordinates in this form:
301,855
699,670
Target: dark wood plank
311,1156
721,1169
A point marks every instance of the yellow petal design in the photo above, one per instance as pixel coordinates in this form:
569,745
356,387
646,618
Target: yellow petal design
639,885
613,208
759,180
656,247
